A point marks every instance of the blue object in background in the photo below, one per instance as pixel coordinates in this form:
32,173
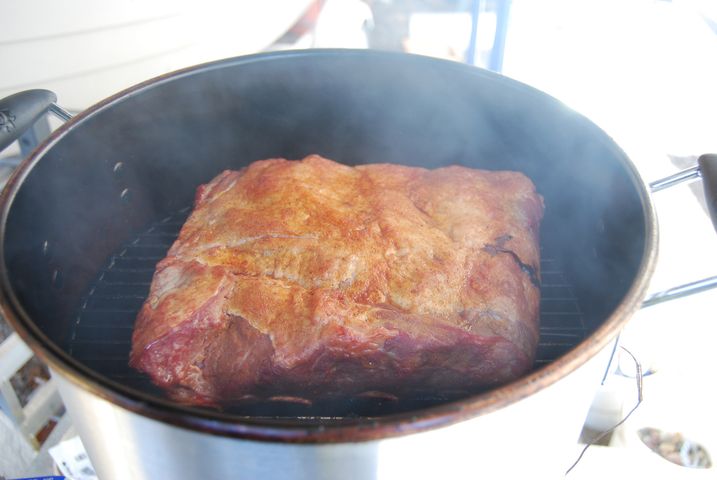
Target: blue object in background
51,477
502,13
501,29
471,50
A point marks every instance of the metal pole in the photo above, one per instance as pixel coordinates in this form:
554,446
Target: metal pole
471,51
501,29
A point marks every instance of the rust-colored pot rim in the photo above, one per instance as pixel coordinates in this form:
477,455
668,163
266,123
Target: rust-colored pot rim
218,423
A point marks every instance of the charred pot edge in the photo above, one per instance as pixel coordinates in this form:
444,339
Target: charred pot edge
281,430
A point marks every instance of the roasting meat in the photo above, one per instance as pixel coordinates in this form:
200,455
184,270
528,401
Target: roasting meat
314,279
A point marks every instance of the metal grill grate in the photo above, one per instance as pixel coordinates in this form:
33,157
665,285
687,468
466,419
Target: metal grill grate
103,329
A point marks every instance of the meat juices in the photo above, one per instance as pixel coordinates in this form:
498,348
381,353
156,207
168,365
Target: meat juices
318,280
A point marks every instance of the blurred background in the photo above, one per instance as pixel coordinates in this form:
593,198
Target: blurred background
643,70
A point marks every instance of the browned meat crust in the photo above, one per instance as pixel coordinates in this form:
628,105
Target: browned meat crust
314,279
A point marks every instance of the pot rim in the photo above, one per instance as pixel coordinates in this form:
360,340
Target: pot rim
283,430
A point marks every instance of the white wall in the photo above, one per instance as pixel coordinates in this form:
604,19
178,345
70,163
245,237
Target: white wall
86,50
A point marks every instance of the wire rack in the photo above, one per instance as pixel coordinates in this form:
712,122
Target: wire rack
102,332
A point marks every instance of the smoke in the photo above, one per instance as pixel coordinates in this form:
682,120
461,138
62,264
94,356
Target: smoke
142,157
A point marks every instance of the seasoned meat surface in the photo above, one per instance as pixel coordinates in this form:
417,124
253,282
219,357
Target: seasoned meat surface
314,279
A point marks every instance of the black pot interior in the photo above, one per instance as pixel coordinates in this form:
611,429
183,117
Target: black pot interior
138,159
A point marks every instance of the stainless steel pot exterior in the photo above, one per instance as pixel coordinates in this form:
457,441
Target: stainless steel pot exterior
533,438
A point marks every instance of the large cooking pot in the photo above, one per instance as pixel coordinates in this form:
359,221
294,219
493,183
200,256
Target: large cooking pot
119,177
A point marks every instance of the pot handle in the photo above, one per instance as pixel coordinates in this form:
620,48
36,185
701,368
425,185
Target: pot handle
21,110
706,169
708,172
